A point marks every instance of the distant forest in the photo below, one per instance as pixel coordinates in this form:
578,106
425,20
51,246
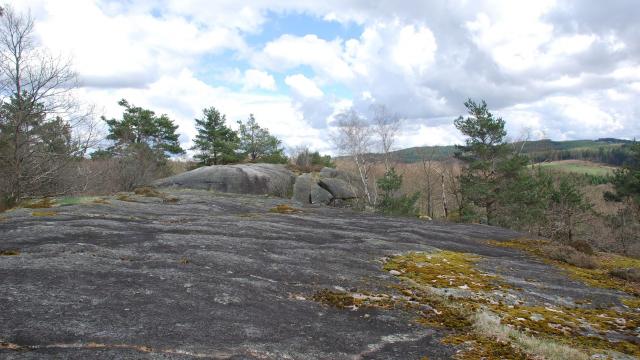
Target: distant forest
605,150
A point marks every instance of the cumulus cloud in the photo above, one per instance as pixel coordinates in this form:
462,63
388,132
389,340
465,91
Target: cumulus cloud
303,86
258,79
557,69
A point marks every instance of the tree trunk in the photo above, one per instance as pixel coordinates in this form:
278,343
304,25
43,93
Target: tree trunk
444,197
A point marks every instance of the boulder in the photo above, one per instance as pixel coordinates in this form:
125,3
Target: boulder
307,191
320,196
302,188
338,188
257,179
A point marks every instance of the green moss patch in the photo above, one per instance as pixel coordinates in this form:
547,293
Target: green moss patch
443,269
477,347
580,327
517,331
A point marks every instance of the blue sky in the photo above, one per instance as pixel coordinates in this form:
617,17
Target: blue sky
552,69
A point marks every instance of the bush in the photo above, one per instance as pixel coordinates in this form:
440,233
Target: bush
582,246
629,274
403,205
569,255
304,160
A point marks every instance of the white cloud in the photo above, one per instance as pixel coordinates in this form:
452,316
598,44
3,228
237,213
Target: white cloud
415,49
288,52
561,69
303,86
258,79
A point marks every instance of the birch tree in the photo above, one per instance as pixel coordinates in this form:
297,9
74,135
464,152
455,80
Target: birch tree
354,138
42,127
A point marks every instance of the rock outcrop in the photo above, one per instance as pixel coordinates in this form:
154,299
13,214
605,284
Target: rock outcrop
329,187
256,179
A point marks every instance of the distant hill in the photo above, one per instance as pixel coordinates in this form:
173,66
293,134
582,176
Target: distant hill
606,150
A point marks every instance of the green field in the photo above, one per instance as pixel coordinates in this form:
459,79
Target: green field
578,167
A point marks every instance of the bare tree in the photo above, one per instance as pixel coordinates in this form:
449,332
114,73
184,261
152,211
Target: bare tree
386,125
42,127
354,139
428,168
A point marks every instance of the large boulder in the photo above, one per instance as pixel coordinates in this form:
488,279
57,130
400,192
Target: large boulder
307,191
320,196
338,188
257,179
302,188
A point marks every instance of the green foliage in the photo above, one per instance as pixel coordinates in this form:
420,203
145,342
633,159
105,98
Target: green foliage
568,204
487,156
33,148
217,143
626,181
142,126
258,144
390,203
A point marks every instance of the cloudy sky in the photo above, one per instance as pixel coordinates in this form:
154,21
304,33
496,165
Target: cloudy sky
553,69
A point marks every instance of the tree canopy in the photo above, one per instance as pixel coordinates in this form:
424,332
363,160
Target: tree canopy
216,143
257,144
142,126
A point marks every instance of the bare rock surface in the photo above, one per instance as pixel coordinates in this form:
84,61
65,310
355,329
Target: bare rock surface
257,179
220,276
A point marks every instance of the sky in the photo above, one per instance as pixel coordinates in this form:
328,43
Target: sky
551,69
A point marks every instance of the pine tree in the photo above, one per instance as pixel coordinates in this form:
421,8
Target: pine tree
485,150
217,143
258,144
141,127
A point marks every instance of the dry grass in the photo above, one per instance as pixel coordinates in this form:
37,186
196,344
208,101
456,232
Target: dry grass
488,323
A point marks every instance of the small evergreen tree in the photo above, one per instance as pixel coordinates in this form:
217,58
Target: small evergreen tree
626,181
390,203
485,151
217,143
258,144
568,207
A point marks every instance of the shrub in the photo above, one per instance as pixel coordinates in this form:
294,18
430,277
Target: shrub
570,255
629,274
582,246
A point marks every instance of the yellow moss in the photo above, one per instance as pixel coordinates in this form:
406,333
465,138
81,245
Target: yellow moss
9,252
124,197
147,191
598,277
443,269
44,203
101,201
573,325
44,213
477,347
284,209
633,303
354,300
